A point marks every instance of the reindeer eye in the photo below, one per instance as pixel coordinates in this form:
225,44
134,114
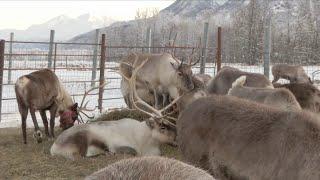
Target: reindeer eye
180,73
162,127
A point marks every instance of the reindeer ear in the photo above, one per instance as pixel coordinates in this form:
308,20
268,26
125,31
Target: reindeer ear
74,107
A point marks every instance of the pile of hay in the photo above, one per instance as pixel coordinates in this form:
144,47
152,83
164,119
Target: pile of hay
120,114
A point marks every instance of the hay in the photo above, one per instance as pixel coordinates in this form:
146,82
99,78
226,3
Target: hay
33,161
120,114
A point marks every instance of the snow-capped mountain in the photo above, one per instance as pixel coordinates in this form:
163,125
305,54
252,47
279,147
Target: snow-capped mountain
64,26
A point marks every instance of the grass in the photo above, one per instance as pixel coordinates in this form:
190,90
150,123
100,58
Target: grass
33,161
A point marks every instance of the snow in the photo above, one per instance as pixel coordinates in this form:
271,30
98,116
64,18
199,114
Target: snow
112,94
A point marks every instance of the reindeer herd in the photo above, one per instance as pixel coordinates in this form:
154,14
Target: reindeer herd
236,125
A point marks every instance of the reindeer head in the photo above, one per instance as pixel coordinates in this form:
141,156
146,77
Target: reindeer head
184,73
73,113
69,116
183,76
162,129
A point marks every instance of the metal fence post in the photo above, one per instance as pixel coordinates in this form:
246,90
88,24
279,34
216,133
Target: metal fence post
204,49
102,67
10,57
148,39
267,46
2,46
50,49
218,55
95,58
55,57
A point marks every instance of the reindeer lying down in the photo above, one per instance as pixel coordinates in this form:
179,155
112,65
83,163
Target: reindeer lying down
123,136
280,97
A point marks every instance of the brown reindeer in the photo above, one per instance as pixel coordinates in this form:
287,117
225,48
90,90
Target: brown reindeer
239,139
41,90
306,94
198,91
222,82
162,75
155,168
295,74
279,97
205,78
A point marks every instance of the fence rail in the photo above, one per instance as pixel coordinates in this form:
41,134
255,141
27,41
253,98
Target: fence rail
79,67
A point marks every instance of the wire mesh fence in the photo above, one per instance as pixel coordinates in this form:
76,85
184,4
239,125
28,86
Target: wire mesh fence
77,65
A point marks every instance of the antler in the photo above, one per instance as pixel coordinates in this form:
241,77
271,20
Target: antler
83,105
134,97
192,55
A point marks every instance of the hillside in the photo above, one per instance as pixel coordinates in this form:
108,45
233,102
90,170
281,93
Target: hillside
64,26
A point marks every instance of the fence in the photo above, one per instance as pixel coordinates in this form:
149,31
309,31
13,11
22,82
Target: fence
83,65
79,66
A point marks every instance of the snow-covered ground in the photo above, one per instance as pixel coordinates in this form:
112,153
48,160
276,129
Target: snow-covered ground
112,94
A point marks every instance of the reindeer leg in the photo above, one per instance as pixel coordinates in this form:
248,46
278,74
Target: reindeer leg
37,133
53,111
165,99
157,99
45,121
24,114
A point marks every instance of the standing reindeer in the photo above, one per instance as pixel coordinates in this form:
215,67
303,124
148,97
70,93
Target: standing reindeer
235,138
222,82
122,136
295,74
41,90
161,76
278,97
306,94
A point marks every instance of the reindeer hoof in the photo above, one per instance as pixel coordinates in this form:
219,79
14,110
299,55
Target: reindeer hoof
38,136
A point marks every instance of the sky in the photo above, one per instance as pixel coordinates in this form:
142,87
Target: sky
21,14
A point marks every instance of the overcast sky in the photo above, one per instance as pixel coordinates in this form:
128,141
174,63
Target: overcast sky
22,14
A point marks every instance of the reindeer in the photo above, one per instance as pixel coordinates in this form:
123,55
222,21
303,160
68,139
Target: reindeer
280,97
240,139
155,168
162,75
205,78
295,74
222,82
122,136
198,91
41,90
306,94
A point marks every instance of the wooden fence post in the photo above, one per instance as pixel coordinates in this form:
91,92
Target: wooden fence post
2,47
102,68
218,55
